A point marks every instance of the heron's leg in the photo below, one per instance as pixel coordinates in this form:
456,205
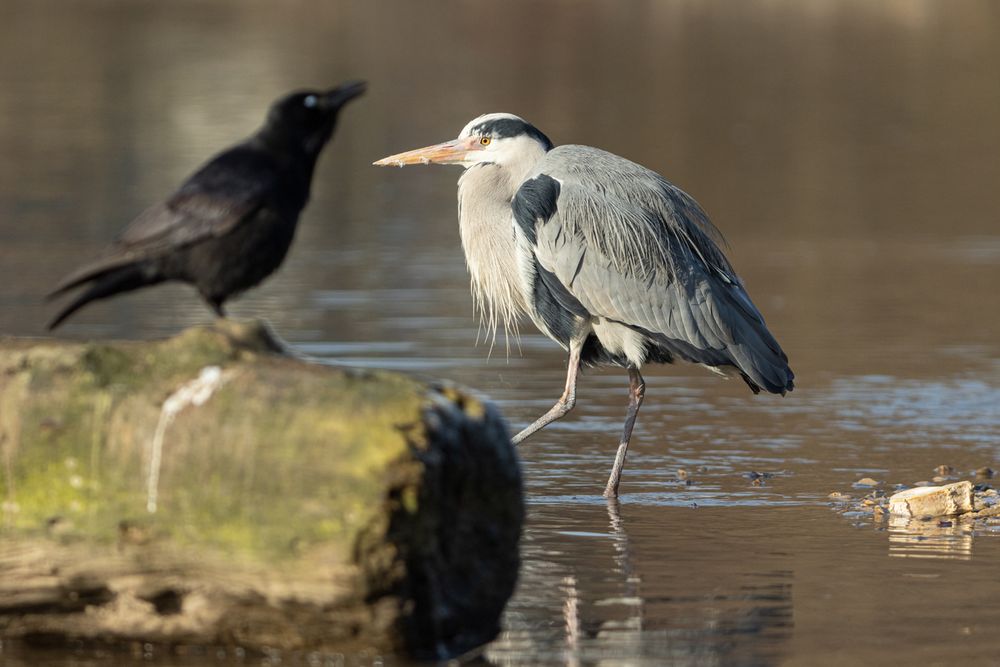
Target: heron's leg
565,402
636,391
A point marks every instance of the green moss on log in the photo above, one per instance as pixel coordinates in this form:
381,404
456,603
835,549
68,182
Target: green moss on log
311,474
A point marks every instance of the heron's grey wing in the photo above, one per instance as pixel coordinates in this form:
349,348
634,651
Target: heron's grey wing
213,201
628,246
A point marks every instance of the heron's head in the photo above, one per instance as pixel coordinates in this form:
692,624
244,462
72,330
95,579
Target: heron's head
307,117
495,138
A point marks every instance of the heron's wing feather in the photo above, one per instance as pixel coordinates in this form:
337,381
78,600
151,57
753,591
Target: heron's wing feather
212,202
632,248
636,217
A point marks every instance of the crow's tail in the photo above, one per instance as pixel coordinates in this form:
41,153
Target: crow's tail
117,280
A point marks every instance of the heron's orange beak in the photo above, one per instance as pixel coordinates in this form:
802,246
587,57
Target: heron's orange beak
449,152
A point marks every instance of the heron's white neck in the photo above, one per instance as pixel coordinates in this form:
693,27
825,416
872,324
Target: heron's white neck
485,222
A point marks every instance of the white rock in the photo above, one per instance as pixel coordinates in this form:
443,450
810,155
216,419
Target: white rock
933,500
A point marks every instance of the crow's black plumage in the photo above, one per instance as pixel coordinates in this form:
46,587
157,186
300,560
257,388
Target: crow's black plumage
230,224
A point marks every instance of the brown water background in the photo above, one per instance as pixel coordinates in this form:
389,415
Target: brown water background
850,151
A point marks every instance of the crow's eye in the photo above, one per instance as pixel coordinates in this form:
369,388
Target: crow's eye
485,141
310,101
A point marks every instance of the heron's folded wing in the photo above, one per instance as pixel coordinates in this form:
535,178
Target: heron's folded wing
632,248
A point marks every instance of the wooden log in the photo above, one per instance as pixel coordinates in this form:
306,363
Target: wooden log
210,490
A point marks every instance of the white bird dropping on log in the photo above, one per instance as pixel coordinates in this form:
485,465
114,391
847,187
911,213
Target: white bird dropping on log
195,393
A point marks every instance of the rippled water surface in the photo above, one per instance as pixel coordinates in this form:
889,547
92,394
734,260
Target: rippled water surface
850,151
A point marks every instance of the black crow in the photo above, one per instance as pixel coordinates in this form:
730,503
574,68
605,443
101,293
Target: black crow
230,224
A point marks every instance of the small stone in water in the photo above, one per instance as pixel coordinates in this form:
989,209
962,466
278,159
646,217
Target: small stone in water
944,470
986,472
838,496
682,473
935,501
937,479
865,481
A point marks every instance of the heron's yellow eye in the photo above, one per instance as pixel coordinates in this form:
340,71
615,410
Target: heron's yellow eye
485,141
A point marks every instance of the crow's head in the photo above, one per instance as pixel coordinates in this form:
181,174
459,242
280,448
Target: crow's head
306,118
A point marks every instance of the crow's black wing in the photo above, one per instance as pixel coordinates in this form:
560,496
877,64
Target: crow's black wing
225,192
213,201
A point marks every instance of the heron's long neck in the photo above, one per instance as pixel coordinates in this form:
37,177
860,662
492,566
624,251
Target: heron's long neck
486,227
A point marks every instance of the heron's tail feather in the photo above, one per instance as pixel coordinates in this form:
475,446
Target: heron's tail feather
720,327
761,361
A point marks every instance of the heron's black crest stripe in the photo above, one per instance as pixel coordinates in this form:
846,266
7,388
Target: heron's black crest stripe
503,128
535,200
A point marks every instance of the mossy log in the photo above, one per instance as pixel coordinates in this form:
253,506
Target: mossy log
211,490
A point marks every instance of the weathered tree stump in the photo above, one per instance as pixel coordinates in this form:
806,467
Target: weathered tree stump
209,490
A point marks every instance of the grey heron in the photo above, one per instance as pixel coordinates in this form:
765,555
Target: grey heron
230,225
608,258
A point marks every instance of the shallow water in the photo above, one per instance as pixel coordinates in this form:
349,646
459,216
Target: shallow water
848,150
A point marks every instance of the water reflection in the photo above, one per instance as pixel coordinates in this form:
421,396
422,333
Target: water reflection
936,538
622,604
848,149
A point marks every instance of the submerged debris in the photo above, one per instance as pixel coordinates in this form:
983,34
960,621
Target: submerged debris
758,478
963,503
753,474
